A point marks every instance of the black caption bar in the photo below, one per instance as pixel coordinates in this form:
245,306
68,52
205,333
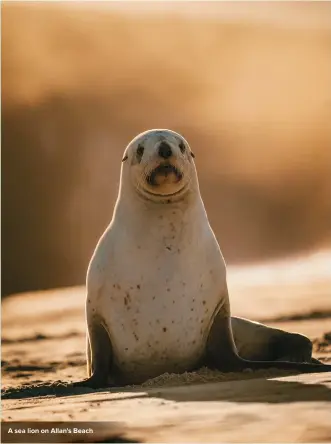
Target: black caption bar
63,432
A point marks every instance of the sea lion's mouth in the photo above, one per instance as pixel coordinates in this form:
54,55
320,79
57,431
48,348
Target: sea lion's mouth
164,173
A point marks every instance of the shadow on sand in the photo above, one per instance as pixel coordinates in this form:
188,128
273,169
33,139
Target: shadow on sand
250,389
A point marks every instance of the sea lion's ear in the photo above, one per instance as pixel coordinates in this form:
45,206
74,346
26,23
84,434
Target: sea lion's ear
124,158
192,154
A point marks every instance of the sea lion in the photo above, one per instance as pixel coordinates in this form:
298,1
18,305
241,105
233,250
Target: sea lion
157,298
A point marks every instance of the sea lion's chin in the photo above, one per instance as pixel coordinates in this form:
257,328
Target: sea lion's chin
164,190
168,189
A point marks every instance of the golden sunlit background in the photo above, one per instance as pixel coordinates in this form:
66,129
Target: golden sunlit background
246,83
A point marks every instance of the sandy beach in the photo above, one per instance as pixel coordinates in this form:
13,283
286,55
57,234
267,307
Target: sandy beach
44,341
248,85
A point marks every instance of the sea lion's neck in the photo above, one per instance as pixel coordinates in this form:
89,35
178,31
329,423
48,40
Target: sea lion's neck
168,218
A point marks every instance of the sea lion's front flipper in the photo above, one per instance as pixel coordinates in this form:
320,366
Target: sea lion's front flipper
99,356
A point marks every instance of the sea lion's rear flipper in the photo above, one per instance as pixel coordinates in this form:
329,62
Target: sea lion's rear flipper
258,342
99,356
221,353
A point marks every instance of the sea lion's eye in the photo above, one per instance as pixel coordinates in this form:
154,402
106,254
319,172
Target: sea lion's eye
192,154
140,151
182,147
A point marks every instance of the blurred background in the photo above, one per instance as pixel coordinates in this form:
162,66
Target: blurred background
247,83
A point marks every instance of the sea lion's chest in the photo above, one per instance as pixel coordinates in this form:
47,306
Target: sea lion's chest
158,305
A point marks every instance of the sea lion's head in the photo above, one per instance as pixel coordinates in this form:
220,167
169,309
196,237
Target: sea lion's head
160,165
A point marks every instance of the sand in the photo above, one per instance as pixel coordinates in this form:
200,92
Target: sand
43,342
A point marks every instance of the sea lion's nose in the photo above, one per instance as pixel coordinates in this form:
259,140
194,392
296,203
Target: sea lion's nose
165,150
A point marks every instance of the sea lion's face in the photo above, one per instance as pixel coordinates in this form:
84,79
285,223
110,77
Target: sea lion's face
160,163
